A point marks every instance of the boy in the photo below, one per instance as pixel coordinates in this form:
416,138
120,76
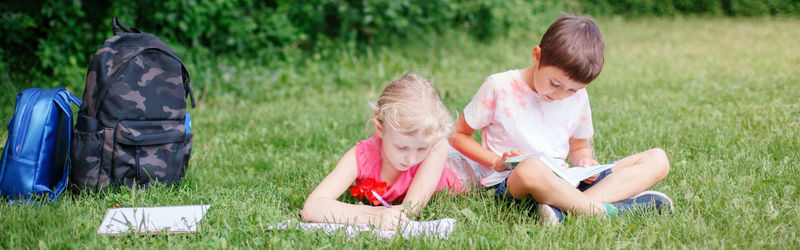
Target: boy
545,108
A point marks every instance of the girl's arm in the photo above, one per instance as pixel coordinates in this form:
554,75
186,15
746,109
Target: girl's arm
322,206
427,177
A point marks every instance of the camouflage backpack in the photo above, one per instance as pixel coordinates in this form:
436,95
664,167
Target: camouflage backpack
132,127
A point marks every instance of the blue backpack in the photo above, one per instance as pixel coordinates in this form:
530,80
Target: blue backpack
35,160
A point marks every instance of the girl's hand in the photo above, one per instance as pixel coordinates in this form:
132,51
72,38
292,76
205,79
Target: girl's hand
392,218
586,163
499,164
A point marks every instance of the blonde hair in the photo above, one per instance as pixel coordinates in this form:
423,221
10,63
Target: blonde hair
410,106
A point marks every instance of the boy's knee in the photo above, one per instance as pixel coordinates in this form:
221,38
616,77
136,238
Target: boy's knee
530,171
659,156
533,164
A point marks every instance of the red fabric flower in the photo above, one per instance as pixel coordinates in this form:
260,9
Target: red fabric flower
365,188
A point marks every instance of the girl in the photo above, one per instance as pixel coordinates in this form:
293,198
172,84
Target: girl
403,160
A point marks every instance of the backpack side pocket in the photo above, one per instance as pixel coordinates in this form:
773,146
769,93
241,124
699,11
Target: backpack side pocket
185,153
86,154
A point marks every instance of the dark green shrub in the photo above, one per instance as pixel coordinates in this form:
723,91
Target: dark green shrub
760,8
706,7
46,39
53,37
56,38
713,7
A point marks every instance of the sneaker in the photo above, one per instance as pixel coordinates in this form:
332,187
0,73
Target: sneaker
549,215
647,201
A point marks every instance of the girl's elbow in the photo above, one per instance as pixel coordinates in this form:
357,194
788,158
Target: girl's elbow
307,213
310,215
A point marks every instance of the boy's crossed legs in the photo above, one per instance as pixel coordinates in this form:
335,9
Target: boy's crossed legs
631,175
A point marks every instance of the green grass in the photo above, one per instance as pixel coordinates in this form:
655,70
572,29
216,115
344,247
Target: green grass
719,95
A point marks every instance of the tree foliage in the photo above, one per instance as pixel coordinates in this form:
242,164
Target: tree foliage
50,37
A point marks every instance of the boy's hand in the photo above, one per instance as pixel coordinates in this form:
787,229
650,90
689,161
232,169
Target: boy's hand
586,163
498,163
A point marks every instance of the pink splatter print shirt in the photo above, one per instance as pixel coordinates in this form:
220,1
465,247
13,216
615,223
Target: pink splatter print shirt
511,116
369,163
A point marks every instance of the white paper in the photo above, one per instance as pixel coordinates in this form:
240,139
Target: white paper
435,228
581,173
143,220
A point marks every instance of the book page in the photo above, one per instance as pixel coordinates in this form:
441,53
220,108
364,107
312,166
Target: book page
436,228
512,162
573,175
581,173
143,220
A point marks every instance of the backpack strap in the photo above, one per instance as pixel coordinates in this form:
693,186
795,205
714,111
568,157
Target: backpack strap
117,26
63,100
187,83
8,127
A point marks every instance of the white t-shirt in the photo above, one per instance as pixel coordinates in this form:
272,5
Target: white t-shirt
511,116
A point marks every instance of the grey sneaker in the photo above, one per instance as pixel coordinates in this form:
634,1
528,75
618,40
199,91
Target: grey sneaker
647,201
549,215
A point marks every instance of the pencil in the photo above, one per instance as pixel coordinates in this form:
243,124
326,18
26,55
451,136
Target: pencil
385,204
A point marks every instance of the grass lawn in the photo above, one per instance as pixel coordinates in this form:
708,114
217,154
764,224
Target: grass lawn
720,96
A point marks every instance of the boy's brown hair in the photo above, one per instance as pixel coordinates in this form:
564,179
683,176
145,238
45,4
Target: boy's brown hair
574,44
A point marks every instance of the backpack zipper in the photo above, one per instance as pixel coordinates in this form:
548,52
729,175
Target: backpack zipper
137,153
26,116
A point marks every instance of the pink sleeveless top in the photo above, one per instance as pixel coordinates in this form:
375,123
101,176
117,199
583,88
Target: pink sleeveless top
369,162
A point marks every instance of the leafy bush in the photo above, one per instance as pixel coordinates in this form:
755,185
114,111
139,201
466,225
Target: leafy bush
675,7
53,36
769,7
50,38
56,38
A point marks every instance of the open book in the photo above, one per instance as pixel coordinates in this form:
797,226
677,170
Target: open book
573,175
435,228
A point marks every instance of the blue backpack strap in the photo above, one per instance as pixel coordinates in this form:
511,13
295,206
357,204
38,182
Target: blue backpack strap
63,100
65,103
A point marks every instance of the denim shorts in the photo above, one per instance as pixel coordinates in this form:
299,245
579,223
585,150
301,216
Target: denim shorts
501,190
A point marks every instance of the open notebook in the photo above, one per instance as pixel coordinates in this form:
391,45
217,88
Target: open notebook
435,228
147,220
